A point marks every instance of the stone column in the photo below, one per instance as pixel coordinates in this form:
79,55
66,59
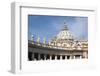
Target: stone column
38,56
55,57
32,56
80,57
60,57
71,56
44,57
74,57
65,56
85,55
50,57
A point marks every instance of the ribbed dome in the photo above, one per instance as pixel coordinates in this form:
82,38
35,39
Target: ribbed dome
64,33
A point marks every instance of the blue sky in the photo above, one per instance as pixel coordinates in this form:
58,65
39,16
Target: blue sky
49,26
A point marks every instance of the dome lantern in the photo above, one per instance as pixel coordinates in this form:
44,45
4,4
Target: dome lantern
65,27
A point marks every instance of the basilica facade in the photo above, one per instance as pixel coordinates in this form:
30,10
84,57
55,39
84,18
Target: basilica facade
62,46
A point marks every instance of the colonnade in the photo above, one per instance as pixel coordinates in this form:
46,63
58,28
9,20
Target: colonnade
39,56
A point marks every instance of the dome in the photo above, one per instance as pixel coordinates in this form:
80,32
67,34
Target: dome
64,33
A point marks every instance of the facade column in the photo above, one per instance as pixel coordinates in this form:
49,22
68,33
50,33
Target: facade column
38,56
41,57
71,56
32,56
74,57
44,57
61,57
50,57
80,57
65,56
85,55
55,57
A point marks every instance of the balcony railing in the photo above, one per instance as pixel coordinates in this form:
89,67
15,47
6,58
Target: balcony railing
57,47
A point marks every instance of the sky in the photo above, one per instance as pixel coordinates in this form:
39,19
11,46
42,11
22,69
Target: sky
49,26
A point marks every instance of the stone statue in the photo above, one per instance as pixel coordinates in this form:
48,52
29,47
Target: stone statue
44,40
38,40
32,39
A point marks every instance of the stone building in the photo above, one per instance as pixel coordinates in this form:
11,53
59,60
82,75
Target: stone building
62,46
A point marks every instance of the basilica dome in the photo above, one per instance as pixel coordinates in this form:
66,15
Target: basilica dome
64,38
65,34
